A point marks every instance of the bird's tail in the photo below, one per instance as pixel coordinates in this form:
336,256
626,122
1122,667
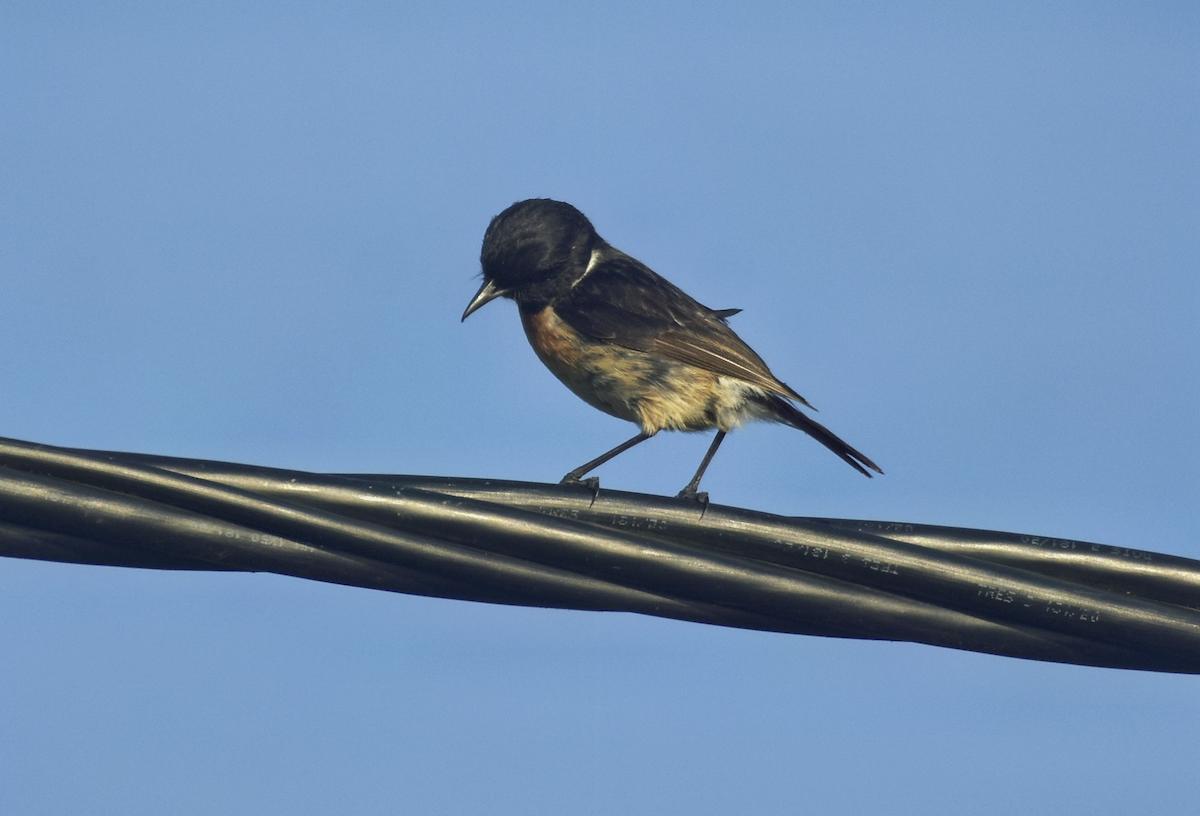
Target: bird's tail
789,414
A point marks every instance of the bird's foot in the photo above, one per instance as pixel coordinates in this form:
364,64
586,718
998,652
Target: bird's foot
691,494
592,483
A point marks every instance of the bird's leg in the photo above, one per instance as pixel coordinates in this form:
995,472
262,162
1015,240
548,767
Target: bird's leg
689,492
594,483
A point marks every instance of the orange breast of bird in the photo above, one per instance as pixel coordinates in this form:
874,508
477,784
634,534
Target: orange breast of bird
655,392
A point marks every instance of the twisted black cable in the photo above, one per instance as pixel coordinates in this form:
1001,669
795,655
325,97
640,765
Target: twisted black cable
556,546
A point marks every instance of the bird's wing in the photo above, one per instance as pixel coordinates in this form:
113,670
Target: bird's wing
624,302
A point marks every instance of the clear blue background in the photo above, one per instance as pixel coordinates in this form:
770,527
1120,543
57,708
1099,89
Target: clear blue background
970,236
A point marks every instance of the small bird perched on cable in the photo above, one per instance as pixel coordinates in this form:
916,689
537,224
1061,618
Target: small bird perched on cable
628,341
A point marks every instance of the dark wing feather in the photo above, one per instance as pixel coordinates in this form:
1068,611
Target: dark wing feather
624,302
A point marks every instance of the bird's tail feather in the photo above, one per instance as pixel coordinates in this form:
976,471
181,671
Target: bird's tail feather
789,414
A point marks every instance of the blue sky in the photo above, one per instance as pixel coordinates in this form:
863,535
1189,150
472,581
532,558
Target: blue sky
247,232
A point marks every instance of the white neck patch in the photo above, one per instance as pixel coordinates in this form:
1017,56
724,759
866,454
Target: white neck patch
595,259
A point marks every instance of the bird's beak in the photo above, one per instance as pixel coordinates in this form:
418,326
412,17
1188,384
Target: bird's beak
486,294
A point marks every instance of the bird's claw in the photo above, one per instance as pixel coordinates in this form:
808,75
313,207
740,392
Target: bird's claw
690,493
592,483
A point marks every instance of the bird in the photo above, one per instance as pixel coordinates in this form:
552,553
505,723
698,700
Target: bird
629,342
